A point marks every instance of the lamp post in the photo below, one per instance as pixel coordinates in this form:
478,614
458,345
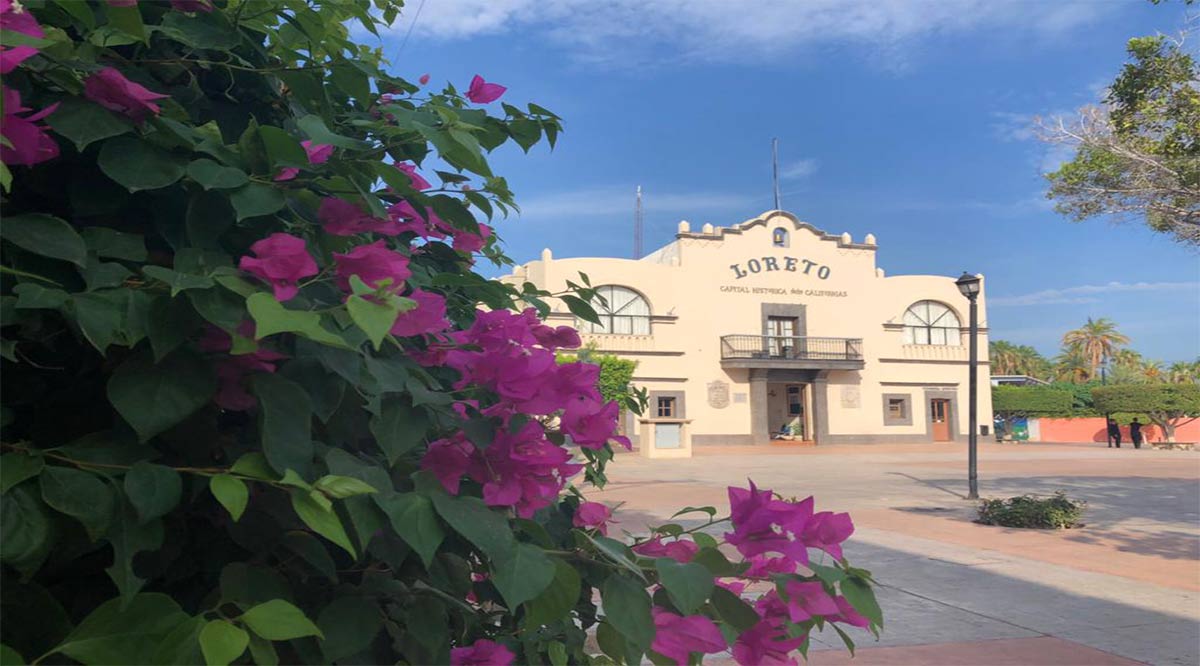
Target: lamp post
969,285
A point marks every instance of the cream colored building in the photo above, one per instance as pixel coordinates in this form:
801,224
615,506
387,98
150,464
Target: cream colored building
774,329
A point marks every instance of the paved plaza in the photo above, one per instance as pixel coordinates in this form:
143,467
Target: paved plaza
1124,589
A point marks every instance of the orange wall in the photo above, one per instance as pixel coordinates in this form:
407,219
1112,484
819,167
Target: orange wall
1092,430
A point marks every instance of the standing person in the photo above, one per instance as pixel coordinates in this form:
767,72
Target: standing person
1135,434
1114,431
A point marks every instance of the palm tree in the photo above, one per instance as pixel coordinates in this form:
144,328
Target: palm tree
1153,371
1071,366
1183,372
1096,341
1009,359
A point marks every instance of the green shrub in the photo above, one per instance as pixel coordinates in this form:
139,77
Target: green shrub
1057,512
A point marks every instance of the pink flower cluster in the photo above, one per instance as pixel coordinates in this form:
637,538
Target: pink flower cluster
512,355
317,154
482,653
15,18
232,370
27,142
110,89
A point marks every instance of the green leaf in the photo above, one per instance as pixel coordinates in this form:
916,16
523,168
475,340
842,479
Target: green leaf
81,495
203,30
522,575
16,467
255,200
270,317
213,176
488,530
263,651
128,20
128,537
314,126
581,308
283,149
152,397
80,11
322,519
398,427
168,324
733,610
828,575
33,296
286,423
219,307
24,529
862,598
113,634
349,625
138,165
255,465
181,647
688,584
374,318
45,235
557,600
153,489
613,550
312,550
100,318
278,620
10,657
177,281
222,642
104,274
845,638
613,644
413,519
627,609
84,122
231,492
341,487
557,653
115,244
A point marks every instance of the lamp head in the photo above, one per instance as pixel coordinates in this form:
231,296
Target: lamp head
969,285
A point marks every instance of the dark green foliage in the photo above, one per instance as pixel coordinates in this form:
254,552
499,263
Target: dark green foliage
1166,405
1056,512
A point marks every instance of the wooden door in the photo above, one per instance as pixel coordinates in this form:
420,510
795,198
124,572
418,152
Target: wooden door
939,415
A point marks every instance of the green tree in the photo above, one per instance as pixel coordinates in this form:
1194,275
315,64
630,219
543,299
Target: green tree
1138,155
1168,406
1096,341
1007,358
1184,372
1071,366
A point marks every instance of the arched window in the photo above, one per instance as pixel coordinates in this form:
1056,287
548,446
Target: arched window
625,313
779,237
931,323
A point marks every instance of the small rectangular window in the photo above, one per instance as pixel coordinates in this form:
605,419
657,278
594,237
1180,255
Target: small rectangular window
666,408
897,408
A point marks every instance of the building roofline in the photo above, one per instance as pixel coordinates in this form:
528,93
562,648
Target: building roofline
737,229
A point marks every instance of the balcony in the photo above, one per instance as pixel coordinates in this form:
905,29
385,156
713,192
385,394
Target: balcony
774,351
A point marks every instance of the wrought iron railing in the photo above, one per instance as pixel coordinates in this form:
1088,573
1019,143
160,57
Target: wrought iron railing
787,347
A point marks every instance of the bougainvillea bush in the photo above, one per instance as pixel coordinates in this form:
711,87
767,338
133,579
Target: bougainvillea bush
257,405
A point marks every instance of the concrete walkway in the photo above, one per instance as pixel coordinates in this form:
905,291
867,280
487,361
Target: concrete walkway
1123,589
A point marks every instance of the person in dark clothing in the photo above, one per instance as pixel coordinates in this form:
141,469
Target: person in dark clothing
1114,431
1135,434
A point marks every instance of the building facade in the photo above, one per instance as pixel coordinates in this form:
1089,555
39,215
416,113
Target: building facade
772,329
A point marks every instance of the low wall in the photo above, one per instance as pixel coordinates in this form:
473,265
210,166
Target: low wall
1093,430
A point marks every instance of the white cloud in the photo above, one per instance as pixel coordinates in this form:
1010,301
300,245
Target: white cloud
629,31
1088,293
617,200
799,169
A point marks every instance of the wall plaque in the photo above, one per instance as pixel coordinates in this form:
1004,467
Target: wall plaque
718,394
850,397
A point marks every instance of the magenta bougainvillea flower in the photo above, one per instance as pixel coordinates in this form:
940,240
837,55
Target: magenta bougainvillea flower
589,424
30,143
372,263
410,170
11,57
342,218
280,260
827,530
110,89
317,154
482,92
677,637
766,644
808,599
848,615
15,18
428,317
593,516
232,371
482,653
679,550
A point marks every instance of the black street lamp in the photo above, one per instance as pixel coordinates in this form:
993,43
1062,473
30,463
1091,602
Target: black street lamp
970,285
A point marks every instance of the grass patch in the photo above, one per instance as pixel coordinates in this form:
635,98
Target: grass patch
1027,511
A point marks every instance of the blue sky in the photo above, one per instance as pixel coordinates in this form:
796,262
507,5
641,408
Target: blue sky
907,119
